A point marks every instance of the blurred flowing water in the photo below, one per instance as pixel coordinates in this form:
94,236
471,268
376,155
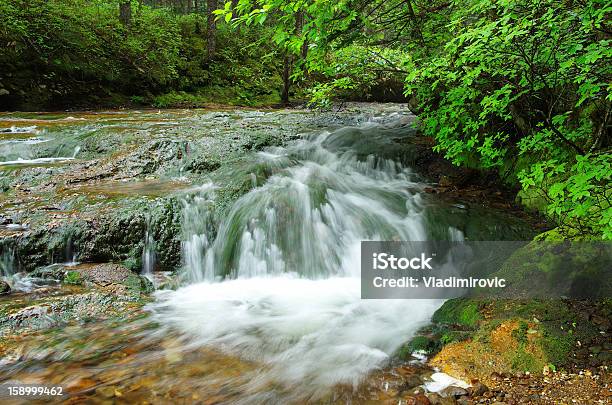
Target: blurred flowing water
277,282
7,262
148,252
270,311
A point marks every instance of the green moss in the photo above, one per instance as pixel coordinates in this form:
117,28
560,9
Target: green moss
557,347
451,336
134,260
523,361
458,311
556,268
520,334
73,277
420,343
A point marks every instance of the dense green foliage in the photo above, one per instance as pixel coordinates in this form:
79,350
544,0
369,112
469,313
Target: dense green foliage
71,52
522,87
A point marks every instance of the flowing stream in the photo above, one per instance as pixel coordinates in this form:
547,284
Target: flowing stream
279,283
270,308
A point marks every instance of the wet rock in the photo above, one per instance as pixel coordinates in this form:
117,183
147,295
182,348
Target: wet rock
5,288
453,392
412,381
166,227
56,310
435,399
154,156
31,312
104,274
112,235
52,272
419,399
112,276
202,165
478,389
260,140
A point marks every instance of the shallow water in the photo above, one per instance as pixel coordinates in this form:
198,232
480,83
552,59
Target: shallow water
152,188
271,309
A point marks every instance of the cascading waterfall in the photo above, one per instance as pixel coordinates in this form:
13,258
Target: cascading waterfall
7,262
9,270
197,228
277,281
70,254
149,257
308,217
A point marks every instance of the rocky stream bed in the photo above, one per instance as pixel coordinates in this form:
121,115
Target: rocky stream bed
107,288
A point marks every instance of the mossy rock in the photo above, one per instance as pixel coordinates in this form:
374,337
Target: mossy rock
546,268
459,311
51,272
423,344
513,335
455,321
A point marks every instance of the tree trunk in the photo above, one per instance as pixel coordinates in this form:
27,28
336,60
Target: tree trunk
125,12
211,34
286,78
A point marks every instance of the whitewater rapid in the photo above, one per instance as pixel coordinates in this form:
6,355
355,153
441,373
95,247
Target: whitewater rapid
277,282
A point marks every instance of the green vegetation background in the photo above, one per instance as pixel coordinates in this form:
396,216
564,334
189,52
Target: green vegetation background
518,87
